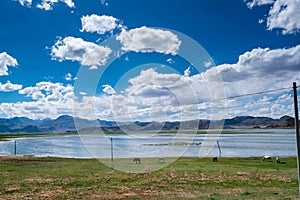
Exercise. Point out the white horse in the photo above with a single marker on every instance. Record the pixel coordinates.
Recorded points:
(269, 158)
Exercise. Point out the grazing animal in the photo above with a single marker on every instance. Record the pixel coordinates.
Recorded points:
(137, 160)
(215, 159)
(161, 160)
(269, 158)
(278, 161)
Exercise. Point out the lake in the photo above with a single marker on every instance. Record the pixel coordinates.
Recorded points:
(244, 143)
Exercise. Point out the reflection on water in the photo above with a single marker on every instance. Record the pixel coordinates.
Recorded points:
(279, 143)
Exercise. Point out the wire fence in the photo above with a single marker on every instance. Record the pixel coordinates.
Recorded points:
(51, 146)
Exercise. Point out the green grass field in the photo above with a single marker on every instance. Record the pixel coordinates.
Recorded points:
(186, 178)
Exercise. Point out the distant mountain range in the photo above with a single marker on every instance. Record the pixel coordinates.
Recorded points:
(66, 123)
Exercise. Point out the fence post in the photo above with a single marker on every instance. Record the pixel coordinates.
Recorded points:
(112, 149)
(220, 152)
(15, 149)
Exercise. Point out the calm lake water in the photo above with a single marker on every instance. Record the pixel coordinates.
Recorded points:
(278, 143)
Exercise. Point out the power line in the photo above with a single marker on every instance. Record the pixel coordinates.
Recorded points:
(257, 93)
(160, 108)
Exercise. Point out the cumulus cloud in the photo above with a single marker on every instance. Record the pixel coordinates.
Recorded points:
(161, 89)
(154, 96)
(9, 87)
(108, 89)
(283, 14)
(100, 24)
(5, 62)
(259, 69)
(48, 100)
(146, 39)
(76, 49)
(48, 91)
(48, 4)
(262, 62)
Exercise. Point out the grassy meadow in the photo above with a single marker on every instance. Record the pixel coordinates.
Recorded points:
(186, 178)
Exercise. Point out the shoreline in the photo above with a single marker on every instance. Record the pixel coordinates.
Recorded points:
(33, 157)
(5, 137)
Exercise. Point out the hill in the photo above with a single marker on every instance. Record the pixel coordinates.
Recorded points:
(66, 123)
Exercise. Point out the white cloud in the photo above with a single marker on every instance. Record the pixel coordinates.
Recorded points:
(48, 100)
(48, 91)
(266, 100)
(207, 64)
(158, 98)
(256, 71)
(284, 97)
(146, 39)
(187, 71)
(170, 61)
(151, 87)
(48, 4)
(279, 64)
(283, 14)
(76, 49)
(154, 96)
(8, 87)
(26, 3)
(93, 67)
(144, 99)
(253, 3)
(6, 61)
(108, 89)
(68, 77)
(99, 24)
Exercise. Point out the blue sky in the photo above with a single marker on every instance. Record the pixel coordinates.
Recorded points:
(55, 58)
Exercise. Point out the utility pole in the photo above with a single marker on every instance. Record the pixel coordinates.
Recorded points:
(297, 131)
(220, 152)
(15, 149)
(112, 149)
